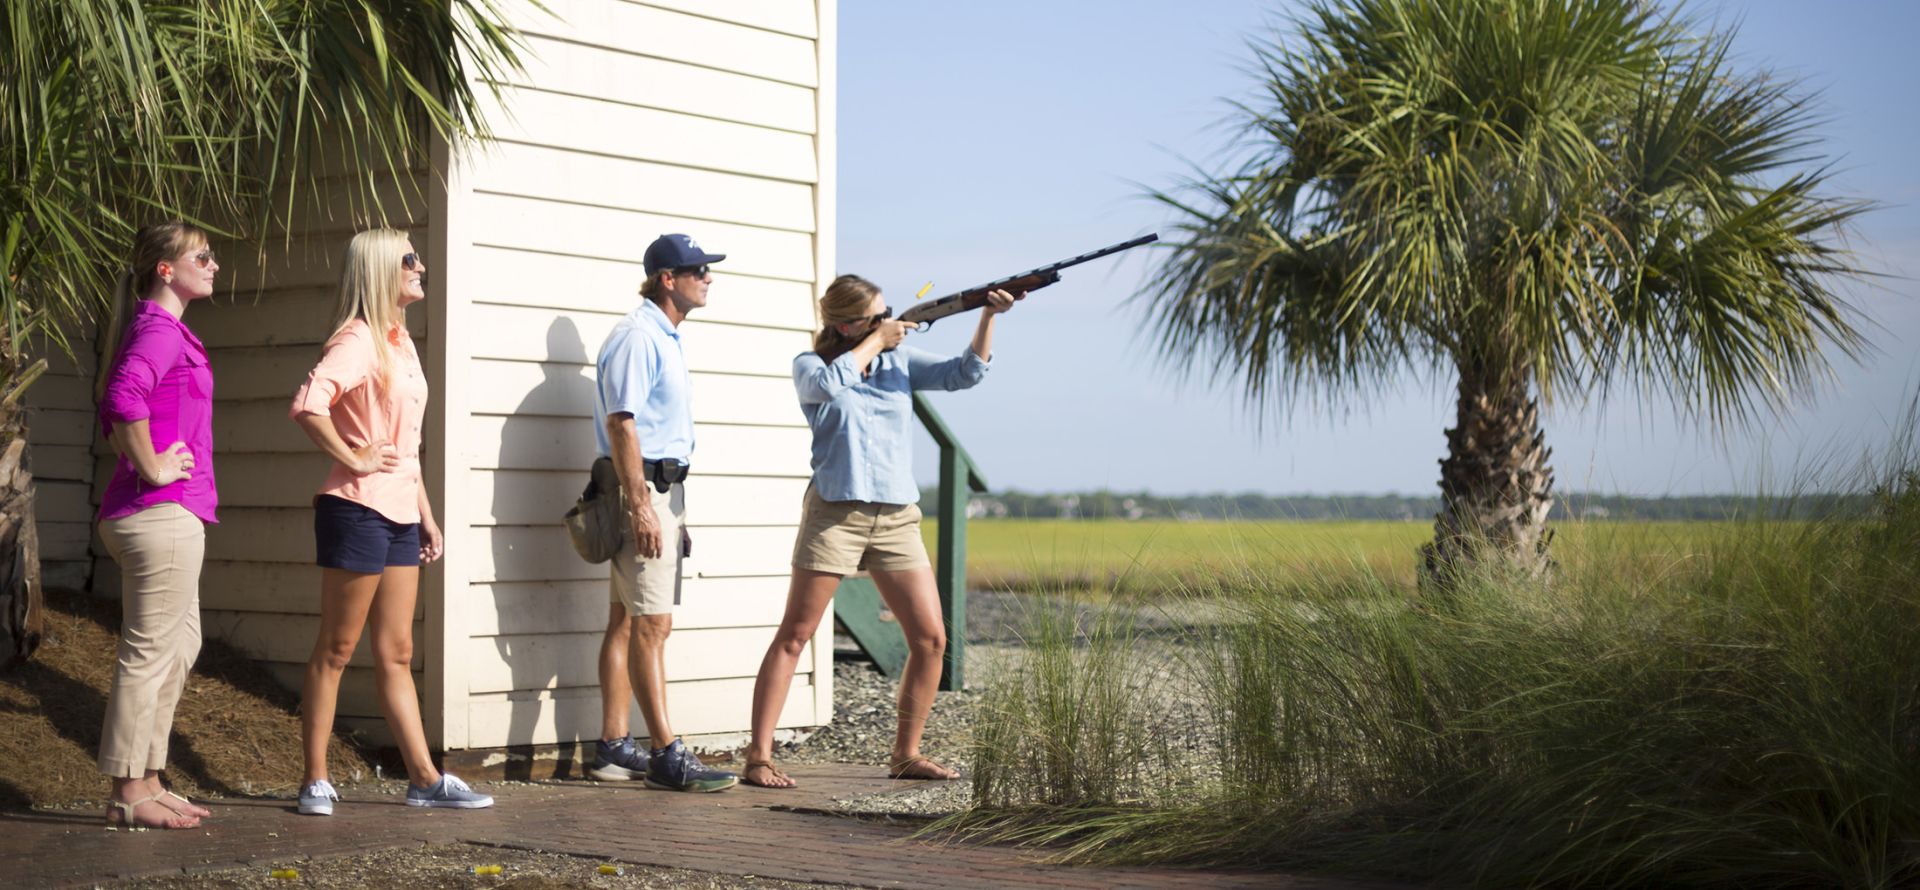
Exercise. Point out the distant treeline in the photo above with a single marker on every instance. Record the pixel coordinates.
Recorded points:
(1105, 504)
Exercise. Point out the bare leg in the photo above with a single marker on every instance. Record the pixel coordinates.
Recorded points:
(915, 601)
(807, 597)
(391, 622)
(615, 688)
(344, 599)
(647, 667)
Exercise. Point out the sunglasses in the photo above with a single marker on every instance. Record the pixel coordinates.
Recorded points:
(203, 259)
(691, 271)
(879, 317)
(410, 262)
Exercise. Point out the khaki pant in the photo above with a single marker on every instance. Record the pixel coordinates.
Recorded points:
(652, 586)
(159, 550)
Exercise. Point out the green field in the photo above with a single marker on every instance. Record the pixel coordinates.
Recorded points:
(1057, 554)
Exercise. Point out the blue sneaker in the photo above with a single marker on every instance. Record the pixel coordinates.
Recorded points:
(674, 768)
(448, 792)
(318, 798)
(618, 761)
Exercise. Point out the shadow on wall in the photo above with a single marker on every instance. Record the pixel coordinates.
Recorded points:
(541, 614)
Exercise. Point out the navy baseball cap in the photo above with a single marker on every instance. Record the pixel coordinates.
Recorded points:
(675, 251)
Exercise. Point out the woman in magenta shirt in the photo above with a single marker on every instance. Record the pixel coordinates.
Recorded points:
(156, 407)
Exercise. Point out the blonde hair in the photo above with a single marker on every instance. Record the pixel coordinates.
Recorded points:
(152, 246)
(370, 290)
(846, 300)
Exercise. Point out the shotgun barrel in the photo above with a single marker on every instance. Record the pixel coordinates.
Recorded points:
(925, 314)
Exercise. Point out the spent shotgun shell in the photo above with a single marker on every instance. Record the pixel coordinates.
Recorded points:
(612, 870)
(286, 874)
(486, 869)
(923, 290)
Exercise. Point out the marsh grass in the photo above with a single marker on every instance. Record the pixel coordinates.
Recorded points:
(1146, 558)
(1740, 711)
(1072, 713)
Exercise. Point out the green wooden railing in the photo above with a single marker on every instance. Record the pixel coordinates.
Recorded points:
(857, 603)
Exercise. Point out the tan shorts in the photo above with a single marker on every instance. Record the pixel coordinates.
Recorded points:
(843, 537)
(652, 586)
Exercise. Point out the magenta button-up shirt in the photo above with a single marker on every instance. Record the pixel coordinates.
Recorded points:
(162, 377)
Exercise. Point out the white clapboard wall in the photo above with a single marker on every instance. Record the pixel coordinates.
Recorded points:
(710, 117)
(61, 433)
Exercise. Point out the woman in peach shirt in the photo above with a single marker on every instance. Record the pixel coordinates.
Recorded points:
(373, 527)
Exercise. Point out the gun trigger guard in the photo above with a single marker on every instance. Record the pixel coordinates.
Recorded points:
(923, 326)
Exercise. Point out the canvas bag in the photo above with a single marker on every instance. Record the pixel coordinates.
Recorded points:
(598, 524)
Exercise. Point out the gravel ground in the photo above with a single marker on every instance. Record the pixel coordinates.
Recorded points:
(864, 717)
(417, 868)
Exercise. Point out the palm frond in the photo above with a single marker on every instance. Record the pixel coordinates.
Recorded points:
(1574, 193)
(114, 113)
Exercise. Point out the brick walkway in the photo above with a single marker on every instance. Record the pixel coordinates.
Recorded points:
(745, 831)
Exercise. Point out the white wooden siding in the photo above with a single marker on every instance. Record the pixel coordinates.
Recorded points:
(561, 281)
(61, 432)
(633, 120)
(742, 37)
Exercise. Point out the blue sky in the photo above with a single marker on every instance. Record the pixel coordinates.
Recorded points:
(984, 138)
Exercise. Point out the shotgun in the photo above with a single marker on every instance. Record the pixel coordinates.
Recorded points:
(925, 314)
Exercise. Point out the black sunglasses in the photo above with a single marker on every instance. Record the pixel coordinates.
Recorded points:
(879, 317)
(409, 261)
(694, 271)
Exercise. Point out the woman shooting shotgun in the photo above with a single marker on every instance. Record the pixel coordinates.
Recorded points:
(859, 514)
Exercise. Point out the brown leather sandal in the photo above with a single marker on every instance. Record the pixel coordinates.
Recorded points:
(898, 769)
(776, 771)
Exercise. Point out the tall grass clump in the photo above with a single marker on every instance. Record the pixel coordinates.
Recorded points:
(1075, 721)
(1743, 712)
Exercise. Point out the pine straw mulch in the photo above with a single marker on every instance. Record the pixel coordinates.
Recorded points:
(236, 732)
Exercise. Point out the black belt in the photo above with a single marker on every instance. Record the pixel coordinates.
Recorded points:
(663, 473)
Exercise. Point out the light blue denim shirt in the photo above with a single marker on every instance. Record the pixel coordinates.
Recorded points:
(862, 434)
(642, 371)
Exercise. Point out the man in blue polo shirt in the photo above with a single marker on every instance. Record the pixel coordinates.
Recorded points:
(645, 425)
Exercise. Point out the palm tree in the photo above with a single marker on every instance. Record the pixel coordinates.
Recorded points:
(1536, 197)
(114, 113)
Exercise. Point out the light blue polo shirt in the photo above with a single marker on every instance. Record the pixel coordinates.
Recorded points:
(642, 371)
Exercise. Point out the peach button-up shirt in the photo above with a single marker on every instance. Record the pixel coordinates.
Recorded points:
(346, 386)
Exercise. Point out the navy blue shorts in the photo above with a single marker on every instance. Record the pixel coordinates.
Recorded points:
(357, 538)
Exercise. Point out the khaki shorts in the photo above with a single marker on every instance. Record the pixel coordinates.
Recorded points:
(843, 537)
(652, 586)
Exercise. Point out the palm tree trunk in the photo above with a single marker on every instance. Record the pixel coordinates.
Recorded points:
(21, 618)
(1495, 484)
